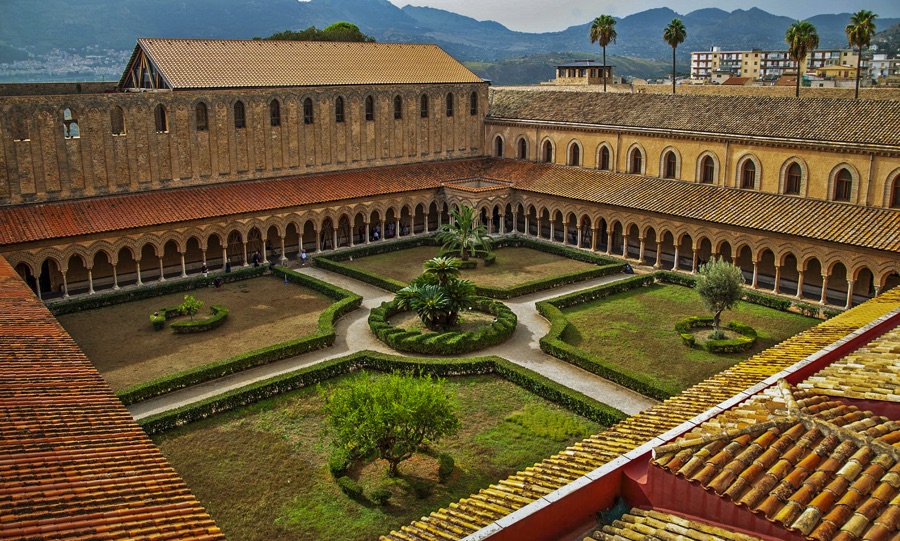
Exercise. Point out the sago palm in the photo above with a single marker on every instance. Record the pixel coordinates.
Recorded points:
(859, 34)
(674, 35)
(443, 268)
(801, 38)
(603, 32)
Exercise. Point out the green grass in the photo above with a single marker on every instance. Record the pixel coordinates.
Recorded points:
(262, 473)
(636, 330)
(514, 266)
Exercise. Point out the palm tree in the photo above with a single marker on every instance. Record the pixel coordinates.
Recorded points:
(801, 38)
(674, 35)
(443, 268)
(859, 33)
(603, 31)
(464, 234)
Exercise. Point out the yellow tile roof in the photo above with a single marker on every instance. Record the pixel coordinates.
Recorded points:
(213, 63)
(650, 524)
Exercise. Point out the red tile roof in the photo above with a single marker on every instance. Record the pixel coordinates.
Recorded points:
(73, 463)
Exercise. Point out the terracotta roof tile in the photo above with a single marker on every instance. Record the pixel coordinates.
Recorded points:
(650, 524)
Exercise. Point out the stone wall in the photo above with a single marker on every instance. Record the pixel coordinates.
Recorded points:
(39, 163)
(49, 89)
(772, 91)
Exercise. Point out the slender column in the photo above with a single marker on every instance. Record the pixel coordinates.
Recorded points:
(625, 245)
(204, 251)
(799, 284)
(138, 266)
(538, 231)
(427, 216)
(40, 296)
(65, 286)
(850, 284)
(367, 233)
(755, 274)
(877, 291)
(641, 251)
(502, 224)
(318, 241)
(552, 230)
(397, 228)
(675, 265)
(224, 257)
(824, 298)
(283, 257)
(162, 277)
(246, 261)
(527, 231)
(115, 281)
(352, 236)
(381, 236)
(90, 282)
(300, 245)
(265, 254)
(609, 239)
(593, 239)
(777, 289)
(658, 263)
(183, 267)
(578, 238)
(334, 239)
(439, 219)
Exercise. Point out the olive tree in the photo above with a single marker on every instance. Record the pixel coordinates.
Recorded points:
(190, 306)
(720, 287)
(390, 416)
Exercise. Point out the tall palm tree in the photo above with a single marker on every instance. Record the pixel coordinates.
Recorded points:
(674, 35)
(464, 234)
(859, 33)
(603, 31)
(801, 38)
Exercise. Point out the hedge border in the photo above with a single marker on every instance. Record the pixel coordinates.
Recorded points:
(216, 320)
(607, 266)
(110, 298)
(444, 343)
(382, 362)
(736, 345)
(345, 302)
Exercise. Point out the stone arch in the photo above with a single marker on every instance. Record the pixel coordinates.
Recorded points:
(835, 183)
(574, 153)
(747, 163)
(704, 174)
(522, 148)
(670, 163)
(636, 158)
(605, 161)
(786, 177)
(548, 151)
(892, 190)
(499, 143)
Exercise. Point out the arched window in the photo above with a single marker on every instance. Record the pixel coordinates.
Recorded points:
(843, 185)
(20, 127)
(162, 123)
(548, 152)
(117, 120)
(424, 109)
(70, 124)
(748, 175)
(523, 149)
(473, 103)
(240, 121)
(202, 117)
(574, 155)
(604, 158)
(498, 146)
(370, 108)
(637, 162)
(670, 165)
(792, 182)
(274, 113)
(398, 107)
(895, 196)
(708, 170)
(339, 109)
(449, 104)
(307, 111)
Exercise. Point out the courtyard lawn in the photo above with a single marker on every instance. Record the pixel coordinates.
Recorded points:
(514, 266)
(636, 330)
(126, 350)
(262, 472)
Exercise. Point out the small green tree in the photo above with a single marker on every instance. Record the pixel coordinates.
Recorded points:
(464, 234)
(390, 415)
(720, 287)
(190, 306)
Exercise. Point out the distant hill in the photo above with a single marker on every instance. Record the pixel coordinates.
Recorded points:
(30, 31)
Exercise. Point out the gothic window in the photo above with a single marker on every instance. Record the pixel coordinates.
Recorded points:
(20, 127)
(792, 184)
(398, 107)
(637, 162)
(548, 152)
(671, 165)
(202, 114)
(274, 113)
(424, 110)
(370, 108)
(843, 185)
(574, 155)
(117, 120)
(523, 149)
(748, 175)
(708, 170)
(604, 158)
(473, 103)
(895, 196)
(339, 109)
(307, 111)
(70, 125)
(449, 104)
(159, 116)
(240, 120)
(498, 146)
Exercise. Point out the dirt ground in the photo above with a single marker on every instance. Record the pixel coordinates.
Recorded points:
(126, 350)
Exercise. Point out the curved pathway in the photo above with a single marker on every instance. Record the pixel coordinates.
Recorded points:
(353, 334)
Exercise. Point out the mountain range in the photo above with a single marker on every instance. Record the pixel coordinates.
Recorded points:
(31, 30)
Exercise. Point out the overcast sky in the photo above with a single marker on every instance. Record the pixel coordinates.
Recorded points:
(550, 16)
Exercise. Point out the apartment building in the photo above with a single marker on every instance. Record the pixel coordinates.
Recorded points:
(759, 64)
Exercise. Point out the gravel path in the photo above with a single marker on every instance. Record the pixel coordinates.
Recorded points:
(353, 335)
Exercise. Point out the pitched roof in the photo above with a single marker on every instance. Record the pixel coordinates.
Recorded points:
(870, 122)
(215, 63)
(651, 524)
(843, 223)
(73, 463)
(737, 81)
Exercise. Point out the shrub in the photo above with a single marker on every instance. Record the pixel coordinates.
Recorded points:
(380, 495)
(807, 309)
(216, 320)
(350, 487)
(830, 313)
(421, 488)
(446, 464)
(717, 343)
(157, 321)
(339, 462)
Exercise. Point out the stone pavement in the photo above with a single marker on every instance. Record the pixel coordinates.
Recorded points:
(353, 334)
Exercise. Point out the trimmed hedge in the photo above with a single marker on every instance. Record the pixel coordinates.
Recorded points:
(444, 343)
(219, 314)
(350, 487)
(734, 345)
(323, 337)
(110, 298)
(606, 266)
(312, 375)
